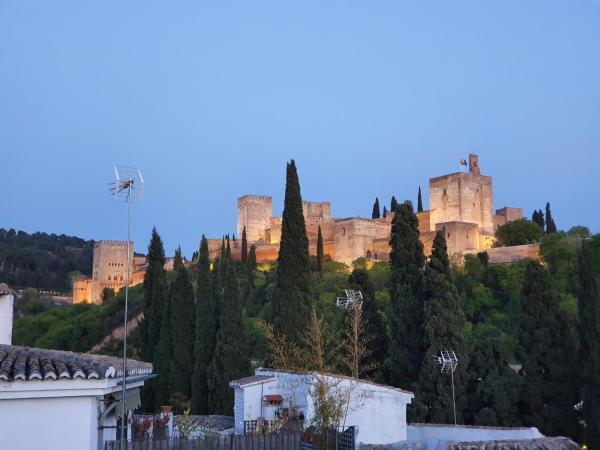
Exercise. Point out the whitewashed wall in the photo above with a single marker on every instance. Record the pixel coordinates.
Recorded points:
(434, 435)
(6, 318)
(49, 423)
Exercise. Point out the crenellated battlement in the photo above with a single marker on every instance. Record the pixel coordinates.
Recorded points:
(112, 242)
(255, 197)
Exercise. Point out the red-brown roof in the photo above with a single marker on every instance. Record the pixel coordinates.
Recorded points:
(273, 398)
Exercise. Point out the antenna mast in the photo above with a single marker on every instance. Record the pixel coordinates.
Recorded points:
(448, 361)
(128, 187)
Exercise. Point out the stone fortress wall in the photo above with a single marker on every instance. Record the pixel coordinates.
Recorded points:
(461, 204)
(109, 270)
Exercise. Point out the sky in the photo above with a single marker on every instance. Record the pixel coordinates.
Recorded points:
(210, 99)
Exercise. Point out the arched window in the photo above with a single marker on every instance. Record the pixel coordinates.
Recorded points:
(368, 253)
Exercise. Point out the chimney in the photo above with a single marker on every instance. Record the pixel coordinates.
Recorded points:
(474, 164)
(7, 297)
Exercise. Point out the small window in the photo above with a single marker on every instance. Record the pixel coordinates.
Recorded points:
(368, 253)
(448, 235)
(444, 192)
(273, 400)
(109, 278)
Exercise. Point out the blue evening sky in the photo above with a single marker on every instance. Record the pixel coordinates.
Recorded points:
(371, 98)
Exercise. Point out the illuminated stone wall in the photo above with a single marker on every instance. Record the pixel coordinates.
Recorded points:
(254, 212)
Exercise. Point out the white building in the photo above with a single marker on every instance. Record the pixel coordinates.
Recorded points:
(53, 399)
(378, 411)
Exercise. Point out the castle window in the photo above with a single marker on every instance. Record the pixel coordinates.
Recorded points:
(444, 192)
(109, 278)
(448, 235)
(368, 253)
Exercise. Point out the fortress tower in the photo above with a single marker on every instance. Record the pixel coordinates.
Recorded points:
(462, 197)
(254, 212)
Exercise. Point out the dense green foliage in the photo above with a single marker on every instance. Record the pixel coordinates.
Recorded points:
(589, 350)
(43, 261)
(292, 294)
(518, 232)
(443, 326)
(405, 350)
(231, 359)
(75, 327)
(546, 349)
(182, 327)
(205, 332)
(156, 318)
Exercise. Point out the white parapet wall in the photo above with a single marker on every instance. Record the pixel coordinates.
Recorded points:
(6, 317)
(437, 436)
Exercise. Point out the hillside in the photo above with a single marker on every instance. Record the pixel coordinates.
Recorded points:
(42, 261)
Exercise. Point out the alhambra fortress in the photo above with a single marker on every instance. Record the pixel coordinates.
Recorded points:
(461, 204)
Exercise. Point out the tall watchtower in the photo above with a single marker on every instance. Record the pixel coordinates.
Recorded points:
(254, 212)
(462, 197)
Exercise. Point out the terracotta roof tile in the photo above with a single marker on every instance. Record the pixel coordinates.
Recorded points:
(5, 290)
(25, 364)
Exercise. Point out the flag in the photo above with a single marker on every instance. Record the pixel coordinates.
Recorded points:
(463, 162)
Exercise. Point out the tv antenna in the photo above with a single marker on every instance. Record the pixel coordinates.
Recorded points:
(352, 297)
(448, 361)
(128, 187)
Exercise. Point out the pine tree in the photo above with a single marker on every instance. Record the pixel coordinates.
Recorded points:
(291, 298)
(182, 329)
(589, 346)
(155, 293)
(393, 204)
(405, 347)
(550, 225)
(205, 332)
(385, 212)
(443, 325)
(320, 254)
(546, 352)
(376, 214)
(419, 201)
(244, 248)
(230, 360)
(374, 328)
(493, 387)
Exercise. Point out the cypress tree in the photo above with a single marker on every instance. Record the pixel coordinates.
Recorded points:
(405, 347)
(443, 325)
(163, 359)
(589, 347)
(376, 214)
(546, 351)
(393, 204)
(419, 201)
(230, 360)
(292, 293)
(244, 248)
(541, 219)
(373, 326)
(155, 294)
(182, 329)
(385, 212)
(205, 332)
(320, 254)
(252, 265)
(493, 387)
(550, 225)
